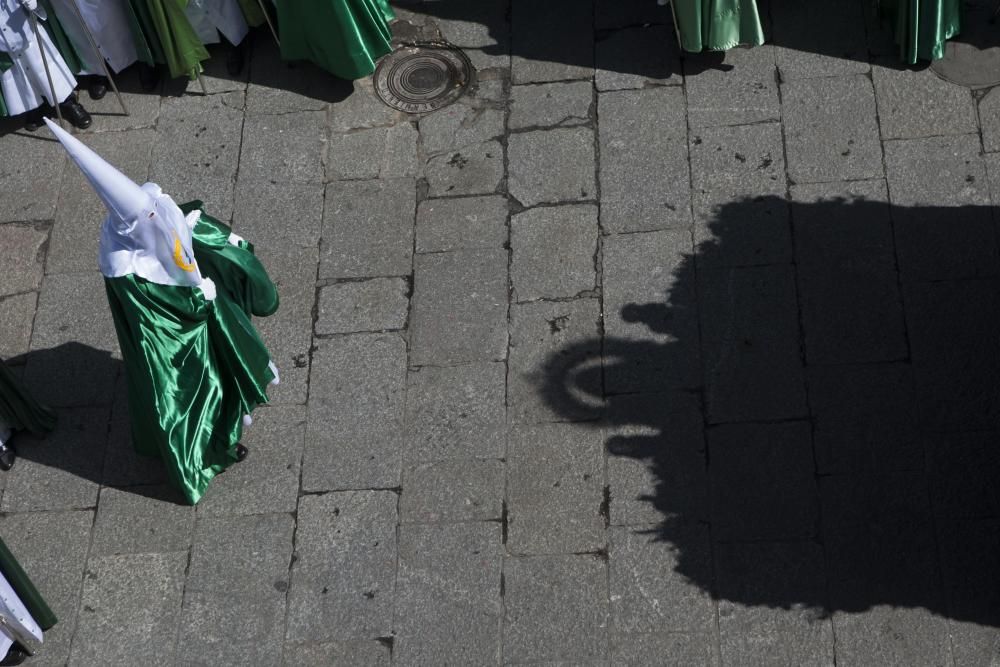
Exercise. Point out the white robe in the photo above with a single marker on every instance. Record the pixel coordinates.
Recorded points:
(210, 17)
(16, 624)
(108, 24)
(24, 85)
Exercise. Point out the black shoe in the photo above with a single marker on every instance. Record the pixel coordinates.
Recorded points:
(74, 112)
(15, 656)
(97, 88)
(7, 456)
(149, 77)
(33, 120)
(241, 452)
(236, 59)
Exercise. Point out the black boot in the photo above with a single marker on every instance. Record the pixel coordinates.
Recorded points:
(15, 656)
(7, 455)
(236, 58)
(97, 87)
(74, 112)
(149, 77)
(33, 119)
(241, 452)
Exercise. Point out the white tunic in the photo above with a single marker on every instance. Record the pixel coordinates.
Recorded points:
(210, 17)
(108, 24)
(24, 85)
(16, 624)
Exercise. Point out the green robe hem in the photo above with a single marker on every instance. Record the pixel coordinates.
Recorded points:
(717, 25)
(344, 37)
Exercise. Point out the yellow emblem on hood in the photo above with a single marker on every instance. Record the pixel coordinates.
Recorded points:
(179, 256)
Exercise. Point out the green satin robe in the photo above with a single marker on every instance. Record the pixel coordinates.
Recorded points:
(25, 589)
(181, 48)
(344, 37)
(144, 31)
(195, 367)
(18, 409)
(923, 26)
(717, 25)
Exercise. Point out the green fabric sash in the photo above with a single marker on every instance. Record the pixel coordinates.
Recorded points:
(252, 12)
(923, 26)
(19, 409)
(61, 41)
(195, 367)
(344, 37)
(140, 23)
(182, 50)
(5, 64)
(717, 25)
(25, 590)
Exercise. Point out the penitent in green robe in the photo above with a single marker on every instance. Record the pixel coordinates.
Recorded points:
(717, 25)
(344, 37)
(195, 367)
(923, 26)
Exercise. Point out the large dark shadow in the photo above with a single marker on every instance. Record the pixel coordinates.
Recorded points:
(637, 36)
(92, 441)
(818, 429)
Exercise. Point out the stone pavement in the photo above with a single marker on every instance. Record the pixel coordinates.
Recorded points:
(623, 359)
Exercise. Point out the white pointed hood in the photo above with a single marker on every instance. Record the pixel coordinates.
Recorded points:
(120, 194)
(145, 233)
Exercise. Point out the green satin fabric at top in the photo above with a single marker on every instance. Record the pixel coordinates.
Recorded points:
(182, 50)
(344, 37)
(25, 589)
(923, 26)
(18, 409)
(195, 367)
(717, 25)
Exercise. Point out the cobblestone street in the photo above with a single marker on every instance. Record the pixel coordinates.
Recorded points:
(625, 358)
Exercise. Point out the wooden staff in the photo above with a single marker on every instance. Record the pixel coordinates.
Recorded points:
(267, 17)
(104, 65)
(45, 63)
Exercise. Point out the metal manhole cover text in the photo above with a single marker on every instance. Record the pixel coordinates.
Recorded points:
(423, 77)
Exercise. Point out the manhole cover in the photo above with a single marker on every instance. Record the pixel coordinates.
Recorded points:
(423, 77)
(972, 58)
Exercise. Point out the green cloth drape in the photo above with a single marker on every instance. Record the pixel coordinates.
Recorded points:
(5, 64)
(144, 31)
(182, 50)
(195, 367)
(923, 26)
(717, 25)
(61, 41)
(344, 37)
(17, 407)
(252, 12)
(19, 581)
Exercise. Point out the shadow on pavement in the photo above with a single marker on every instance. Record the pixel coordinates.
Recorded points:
(637, 36)
(92, 440)
(263, 68)
(838, 448)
